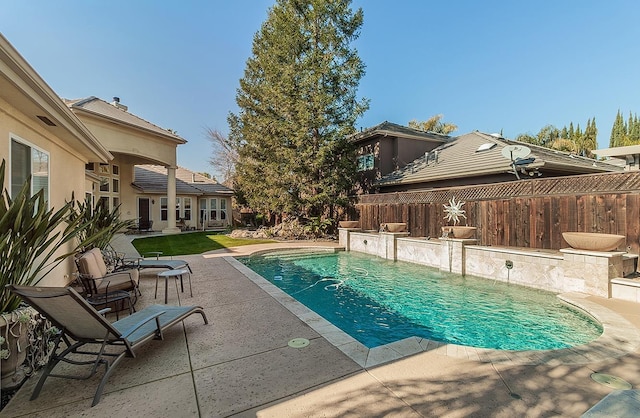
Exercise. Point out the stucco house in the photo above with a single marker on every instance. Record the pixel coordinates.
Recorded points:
(201, 203)
(91, 148)
(132, 141)
(41, 137)
(480, 158)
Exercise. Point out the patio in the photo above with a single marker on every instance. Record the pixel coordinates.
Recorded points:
(240, 365)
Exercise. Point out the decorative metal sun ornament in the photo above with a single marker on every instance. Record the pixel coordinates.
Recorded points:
(454, 211)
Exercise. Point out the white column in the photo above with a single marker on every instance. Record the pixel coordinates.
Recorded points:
(171, 202)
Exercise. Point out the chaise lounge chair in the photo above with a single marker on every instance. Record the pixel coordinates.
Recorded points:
(77, 320)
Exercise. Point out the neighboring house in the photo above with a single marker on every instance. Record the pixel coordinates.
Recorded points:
(479, 158)
(201, 203)
(627, 157)
(132, 141)
(387, 147)
(42, 138)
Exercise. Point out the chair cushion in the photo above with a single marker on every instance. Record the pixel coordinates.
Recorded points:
(119, 281)
(97, 254)
(88, 267)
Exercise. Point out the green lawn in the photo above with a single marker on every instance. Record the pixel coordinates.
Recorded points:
(191, 243)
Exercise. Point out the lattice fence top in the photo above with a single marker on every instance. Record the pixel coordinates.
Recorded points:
(570, 185)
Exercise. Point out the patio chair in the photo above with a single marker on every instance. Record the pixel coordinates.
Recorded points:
(97, 280)
(79, 322)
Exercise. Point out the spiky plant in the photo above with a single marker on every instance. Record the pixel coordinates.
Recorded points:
(30, 235)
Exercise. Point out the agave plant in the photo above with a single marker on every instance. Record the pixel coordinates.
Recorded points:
(30, 236)
(102, 224)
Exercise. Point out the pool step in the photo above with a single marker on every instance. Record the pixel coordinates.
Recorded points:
(298, 255)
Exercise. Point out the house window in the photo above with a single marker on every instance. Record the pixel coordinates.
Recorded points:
(104, 184)
(116, 185)
(115, 170)
(365, 162)
(104, 169)
(88, 166)
(164, 204)
(213, 209)
(223, 209)
(116, 202)
(186, 214)
(183, 208)
(104, 202)
(28, 161)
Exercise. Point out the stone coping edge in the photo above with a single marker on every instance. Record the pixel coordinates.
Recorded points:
(619, 336)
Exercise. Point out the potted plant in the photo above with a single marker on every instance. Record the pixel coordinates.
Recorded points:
(30, 236)
(454, 212)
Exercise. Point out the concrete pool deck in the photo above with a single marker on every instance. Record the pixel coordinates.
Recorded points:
(241, 365)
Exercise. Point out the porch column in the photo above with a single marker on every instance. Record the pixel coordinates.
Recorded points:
(171, 202)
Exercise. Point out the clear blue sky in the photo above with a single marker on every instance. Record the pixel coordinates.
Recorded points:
(488, 65)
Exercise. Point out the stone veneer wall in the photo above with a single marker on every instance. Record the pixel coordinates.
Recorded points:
(568, 270)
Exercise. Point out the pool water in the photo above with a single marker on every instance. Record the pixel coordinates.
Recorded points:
(378, 301)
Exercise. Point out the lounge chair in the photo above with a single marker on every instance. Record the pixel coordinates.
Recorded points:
(79, 321)
(92, 267)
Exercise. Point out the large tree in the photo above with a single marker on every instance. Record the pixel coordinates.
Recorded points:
(433, 124)
(297, 105)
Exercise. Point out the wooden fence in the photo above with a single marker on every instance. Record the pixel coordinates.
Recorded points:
(526, 213)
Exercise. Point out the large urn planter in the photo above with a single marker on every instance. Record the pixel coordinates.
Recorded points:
(592, 241)
(349, 224)
(13, 350)
(394, 227)
(460, 232)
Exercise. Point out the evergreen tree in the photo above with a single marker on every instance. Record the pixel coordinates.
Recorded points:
(572, 132)
(634, 131)
(618, 131)
(298, 104)
(564, 133)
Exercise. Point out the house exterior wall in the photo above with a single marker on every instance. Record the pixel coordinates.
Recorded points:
(66, 169)
(135, 142)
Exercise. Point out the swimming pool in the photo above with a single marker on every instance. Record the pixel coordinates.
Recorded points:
(377, 302)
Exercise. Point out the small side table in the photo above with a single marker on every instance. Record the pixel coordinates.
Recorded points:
(176, 274)
(109, 298)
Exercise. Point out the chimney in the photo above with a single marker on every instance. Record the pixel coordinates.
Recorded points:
(116, 103)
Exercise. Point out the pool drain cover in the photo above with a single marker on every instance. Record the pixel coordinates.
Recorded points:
(299, 343)
(610, 381)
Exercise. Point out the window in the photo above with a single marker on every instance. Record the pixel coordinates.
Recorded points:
(27, 161)
(104, 168)
(223, 209)
(104, 184)
(88, 166)
(116, 186)
(104, 202)
(164, 203)
(186, 214)
(213, 209)
(365, 162)
(116, 202)
(178, 201)
(116, 170)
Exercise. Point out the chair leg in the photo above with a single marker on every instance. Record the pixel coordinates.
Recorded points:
(190, 288)
(110, 368)
(177, 290)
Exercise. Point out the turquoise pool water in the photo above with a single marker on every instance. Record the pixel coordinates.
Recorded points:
(377, 302)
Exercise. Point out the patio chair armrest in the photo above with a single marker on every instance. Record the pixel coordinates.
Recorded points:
(104, 311)
(143, 322)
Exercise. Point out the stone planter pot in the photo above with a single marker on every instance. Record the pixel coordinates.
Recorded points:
(592, 241)
(394, 227)
(15, 334)
(460, 232)
(349, 224)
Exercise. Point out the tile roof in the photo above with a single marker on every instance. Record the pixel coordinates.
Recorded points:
(460, 158)
(100, 107)
(389, 128)
(153, 179)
